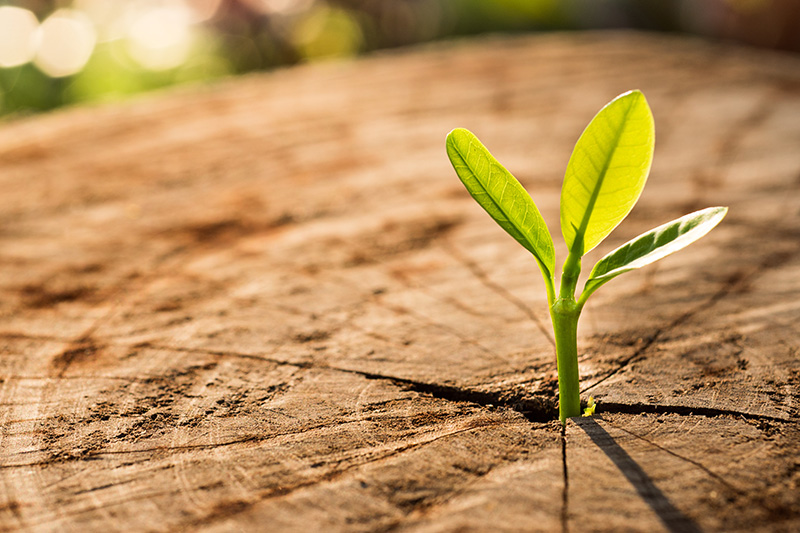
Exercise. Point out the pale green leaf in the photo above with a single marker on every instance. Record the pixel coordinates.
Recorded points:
(607, 171)
(653, 245)
(502, 196)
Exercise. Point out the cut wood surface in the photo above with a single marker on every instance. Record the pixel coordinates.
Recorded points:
(270, 305)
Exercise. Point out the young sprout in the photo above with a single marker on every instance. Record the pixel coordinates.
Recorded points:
(604, 178)
(591, 405)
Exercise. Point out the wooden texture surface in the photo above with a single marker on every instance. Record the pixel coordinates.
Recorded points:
(270, 305)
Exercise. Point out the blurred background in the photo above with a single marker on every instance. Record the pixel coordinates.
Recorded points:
(61, 52)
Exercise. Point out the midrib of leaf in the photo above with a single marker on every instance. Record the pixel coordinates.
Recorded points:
(587, 215)
(498, 204)
(661, 241)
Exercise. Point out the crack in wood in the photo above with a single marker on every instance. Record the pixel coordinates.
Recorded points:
(565, 488)
(683, 410)
(536, 409)
(105, 486)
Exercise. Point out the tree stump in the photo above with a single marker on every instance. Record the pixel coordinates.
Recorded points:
(270, 305)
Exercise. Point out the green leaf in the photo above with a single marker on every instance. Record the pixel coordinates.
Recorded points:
(502, 196)
(607, 171)
(653, 245)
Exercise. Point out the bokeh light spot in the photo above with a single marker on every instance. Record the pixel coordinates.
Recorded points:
(161, 38)
(66, 40)
(280, 7)
(17, 30)
(327, 32)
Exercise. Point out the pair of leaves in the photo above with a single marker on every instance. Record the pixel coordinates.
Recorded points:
(604, 179)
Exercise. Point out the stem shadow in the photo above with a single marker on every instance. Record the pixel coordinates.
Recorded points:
(672, 518)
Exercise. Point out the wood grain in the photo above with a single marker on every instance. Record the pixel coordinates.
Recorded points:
(269, 304)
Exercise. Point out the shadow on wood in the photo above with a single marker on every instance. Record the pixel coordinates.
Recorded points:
(673, 519)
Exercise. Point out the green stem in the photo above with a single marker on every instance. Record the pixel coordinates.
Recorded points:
(565, 315)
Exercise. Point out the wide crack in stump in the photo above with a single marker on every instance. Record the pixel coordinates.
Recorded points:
(272, 302)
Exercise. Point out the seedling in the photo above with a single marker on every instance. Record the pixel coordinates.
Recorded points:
(604, 178)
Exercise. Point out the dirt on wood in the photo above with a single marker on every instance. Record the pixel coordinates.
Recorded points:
(269, 304)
